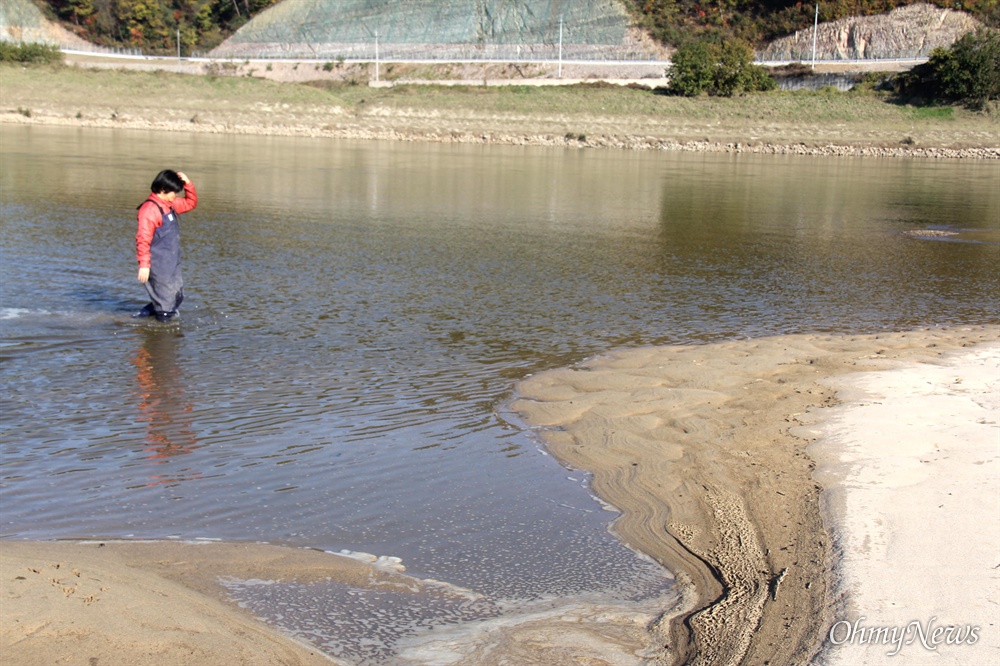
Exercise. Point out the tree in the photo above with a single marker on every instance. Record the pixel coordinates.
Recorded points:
(77, 11)
(145, 21)
(976, 78)
(968, 72)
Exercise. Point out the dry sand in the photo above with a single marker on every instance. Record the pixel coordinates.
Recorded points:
(910, 466)
(706, 451)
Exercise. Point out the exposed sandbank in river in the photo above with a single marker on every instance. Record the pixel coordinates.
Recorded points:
(693, 444)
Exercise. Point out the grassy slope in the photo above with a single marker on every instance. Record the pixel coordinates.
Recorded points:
(787, 118)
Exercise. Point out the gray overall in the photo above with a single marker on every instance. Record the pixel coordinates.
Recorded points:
(165, 285)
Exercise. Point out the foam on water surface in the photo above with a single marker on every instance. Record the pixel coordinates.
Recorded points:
(438, 623)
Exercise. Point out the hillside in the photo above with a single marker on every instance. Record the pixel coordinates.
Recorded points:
(763, 21)
(507, 28)
(433, 29)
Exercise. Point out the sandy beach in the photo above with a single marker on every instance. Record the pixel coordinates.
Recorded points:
(757, 470)
(159, 602)
(909, 467)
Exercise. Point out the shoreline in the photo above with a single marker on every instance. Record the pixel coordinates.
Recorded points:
(152, 602)
(705, 450)
(508, 138)
(699, 448)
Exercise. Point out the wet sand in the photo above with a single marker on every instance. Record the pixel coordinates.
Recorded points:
(118, 602)
(709, 453)
(695, 445)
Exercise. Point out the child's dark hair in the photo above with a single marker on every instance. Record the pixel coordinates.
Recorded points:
(167, 181)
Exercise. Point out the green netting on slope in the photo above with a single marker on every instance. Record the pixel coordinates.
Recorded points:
(329, 25)
(21, 22)
(19, 14)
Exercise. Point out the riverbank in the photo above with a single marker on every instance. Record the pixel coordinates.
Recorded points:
(695, 445)
(597, 115)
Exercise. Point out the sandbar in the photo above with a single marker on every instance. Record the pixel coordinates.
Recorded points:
(703, 448)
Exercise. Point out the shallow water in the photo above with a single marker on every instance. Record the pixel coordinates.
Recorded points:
(357, 315)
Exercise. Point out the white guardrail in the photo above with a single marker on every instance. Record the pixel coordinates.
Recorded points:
(136, 54)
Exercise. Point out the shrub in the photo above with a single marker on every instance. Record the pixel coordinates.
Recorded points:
(725, 70)
(761, 80)
(29, 53)
(693, 68)
(735, 72)
(975, 77)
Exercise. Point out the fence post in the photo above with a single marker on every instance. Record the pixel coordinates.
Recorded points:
(815, 31)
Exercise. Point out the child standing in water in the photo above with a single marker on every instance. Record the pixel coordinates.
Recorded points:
(158, 243)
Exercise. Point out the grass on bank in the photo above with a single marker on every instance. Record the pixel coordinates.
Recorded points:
(47, 86)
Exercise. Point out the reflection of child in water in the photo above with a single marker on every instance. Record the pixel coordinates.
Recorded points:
(163, 406)
(158, 243)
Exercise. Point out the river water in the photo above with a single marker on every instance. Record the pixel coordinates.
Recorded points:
(357, 316)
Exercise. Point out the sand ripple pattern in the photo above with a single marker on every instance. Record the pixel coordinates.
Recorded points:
(694, 444)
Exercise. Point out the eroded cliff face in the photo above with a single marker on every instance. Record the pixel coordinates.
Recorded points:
(907, 32)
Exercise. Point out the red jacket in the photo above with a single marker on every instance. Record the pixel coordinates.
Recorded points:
(150, 219)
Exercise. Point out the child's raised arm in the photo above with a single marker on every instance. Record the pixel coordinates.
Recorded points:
(190, 198)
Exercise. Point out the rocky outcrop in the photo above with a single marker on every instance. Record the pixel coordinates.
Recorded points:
(907, 32)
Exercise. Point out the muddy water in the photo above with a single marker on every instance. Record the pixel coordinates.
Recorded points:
(357, 315)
